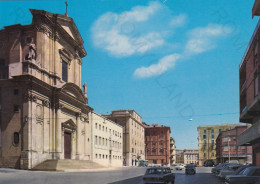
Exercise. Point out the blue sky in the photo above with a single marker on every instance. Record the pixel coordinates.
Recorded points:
(169, 60)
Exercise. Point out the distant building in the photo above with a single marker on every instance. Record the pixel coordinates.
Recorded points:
(227, 147)
(108, 141)
(249, 91)
(207, 140)
(179, 156)
(133, 135)
(157, 140)
(191, 156)
(172, 151)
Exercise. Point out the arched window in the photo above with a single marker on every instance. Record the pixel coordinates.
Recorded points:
(16, 139)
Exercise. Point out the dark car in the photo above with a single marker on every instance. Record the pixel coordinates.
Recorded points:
(158, 175)
(209, 163)
(250, 175)
(190, 169)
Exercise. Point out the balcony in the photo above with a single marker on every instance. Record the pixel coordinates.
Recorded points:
(249, 136)
(256, 8)
(250, 112)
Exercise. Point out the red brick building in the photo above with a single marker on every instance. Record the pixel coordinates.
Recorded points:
(227, 147)
(157, 144)
(249, 91)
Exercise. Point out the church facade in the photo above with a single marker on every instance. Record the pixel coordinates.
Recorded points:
(44, 111)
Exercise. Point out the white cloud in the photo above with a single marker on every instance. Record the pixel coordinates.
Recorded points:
(202, 39)
(178, 20)
(162, 66)
(134, 32)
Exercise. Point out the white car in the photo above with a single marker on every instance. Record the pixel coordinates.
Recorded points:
(177, 166)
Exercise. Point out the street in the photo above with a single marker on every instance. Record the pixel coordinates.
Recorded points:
(126, 175)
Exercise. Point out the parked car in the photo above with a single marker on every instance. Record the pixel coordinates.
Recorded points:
(250, 175)
(232, 162)
(178, 166)
(190, 169)
(209, 163)
(158, 175)
(229, 170)
(143, 163)
(217, 168)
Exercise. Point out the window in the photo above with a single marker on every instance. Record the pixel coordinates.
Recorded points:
(96, 125)
(257, 172)
(96, 141)
(99, 127)
(204, 136)
(205, 131)
(219, 130)
(205, 154)
(16, 139)
(16, 91)
(212, 130)
(212, 136)
(212, 154)
(64, 71)
(16, 108)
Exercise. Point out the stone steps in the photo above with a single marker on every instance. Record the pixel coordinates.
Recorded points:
(65, 165)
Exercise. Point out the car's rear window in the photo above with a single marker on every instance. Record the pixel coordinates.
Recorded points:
(154, 171)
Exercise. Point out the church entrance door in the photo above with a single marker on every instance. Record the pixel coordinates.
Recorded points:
(67, 145)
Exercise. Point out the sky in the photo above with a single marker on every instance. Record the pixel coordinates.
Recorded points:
(174, 62)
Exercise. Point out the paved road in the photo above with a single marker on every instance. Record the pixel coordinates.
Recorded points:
(123, 176)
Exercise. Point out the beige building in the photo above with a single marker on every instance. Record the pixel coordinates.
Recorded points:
(108, 141)
(191, 156)
(207, 136)
(44, 111)
(179, 156)
(133, 135)
(172, 151)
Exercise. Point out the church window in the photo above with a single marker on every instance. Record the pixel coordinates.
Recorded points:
(16, 139)
(64, 71)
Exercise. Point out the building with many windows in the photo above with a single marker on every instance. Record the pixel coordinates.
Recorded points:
(179, 156)
(157, 142)
(207, 136)
(191, 156)
(107, 144)
(172, 151)
(227, 147)
(133, 135)
(44, 111)
(249, 91)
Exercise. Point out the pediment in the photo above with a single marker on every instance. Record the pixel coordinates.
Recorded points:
(69, 125)
(74, 91)
(70, 27)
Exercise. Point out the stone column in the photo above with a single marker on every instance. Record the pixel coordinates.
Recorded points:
(78, 135)
(58, 129)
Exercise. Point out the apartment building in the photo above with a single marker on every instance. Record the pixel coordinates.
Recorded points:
(157, 141)
(249, 91)
(207, 136)
(191, 156)
(133, 135)
(227, 147)
(172, 151)
(107, 147)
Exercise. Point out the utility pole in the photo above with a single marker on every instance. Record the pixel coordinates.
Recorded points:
(228, 149)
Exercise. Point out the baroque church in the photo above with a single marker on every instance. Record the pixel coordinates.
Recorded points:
(44, 112)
